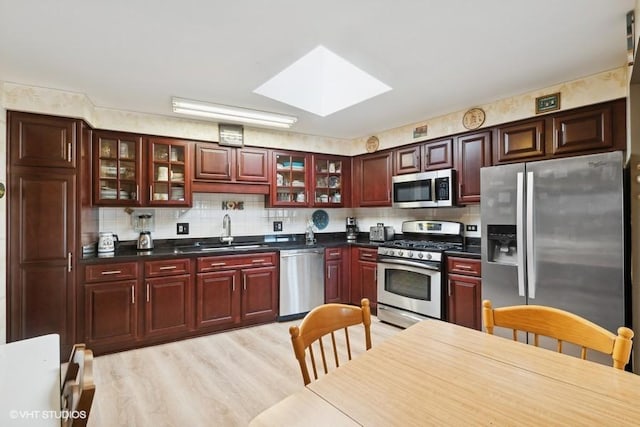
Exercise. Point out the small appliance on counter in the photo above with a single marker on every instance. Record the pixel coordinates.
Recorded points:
(352, 228)
(145, 242)
(143, 222)
(381, 233)
(107, 242)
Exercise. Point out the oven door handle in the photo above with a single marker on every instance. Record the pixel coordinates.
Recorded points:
(429, 266)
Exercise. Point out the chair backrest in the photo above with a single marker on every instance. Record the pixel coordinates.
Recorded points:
(78, 388)
(326, 320)
(562, 326)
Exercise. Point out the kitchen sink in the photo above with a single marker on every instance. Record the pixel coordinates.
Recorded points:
(216, 248)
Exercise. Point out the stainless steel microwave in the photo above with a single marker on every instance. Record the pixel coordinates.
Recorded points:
(433, 189)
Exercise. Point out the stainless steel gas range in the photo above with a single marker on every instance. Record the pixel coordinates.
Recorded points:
(410, 283)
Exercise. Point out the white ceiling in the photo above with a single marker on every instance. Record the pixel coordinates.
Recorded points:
(438, 56)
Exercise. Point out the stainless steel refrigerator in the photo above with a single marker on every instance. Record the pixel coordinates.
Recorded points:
(553, 234)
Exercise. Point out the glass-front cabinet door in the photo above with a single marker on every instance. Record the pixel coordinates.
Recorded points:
(169, 172)
(289, 186)
(329, 174)
(117, 168)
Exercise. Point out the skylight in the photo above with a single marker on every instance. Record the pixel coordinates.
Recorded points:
(322, 83)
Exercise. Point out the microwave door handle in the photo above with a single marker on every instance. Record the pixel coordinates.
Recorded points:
(531, 260)
(520, 234)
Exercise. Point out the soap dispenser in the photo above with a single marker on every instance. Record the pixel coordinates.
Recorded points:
(309, 236)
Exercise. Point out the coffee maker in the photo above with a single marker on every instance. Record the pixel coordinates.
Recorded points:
(352, 228)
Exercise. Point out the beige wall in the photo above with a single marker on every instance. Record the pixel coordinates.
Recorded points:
(206, 215)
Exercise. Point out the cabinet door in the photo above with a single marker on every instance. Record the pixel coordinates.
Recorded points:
(330, 176)
(110, 313)
(42, 141)
(583, 131)
(407, 160)
(167, 305)
(290, 181)
(521, 141)
(474, 152)
(373, 180)
(259, 295)
(438, 155)
(41, 283)
(217, 299)
(369, 273)
(332, 281)
(117, 166)
(213, 162)
(169, 172)
(464, 303)
(252, 165)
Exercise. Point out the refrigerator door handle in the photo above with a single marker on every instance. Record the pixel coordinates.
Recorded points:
(531, 260)
(520, 231)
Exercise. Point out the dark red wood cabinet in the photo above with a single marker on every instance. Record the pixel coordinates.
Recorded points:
(464, 285)
(473, 153)
(372, 179)
(336, 275)
(364, 276)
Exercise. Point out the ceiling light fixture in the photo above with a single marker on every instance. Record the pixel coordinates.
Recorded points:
(234, 114)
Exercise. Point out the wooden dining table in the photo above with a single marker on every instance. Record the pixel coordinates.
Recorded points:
(438, 373)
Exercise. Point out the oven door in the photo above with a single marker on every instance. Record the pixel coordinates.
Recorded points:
(411, 286)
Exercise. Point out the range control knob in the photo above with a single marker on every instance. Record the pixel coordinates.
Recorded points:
(420, 255)
(429, 256)
(389, 252)
(400, 253)
(410, 254)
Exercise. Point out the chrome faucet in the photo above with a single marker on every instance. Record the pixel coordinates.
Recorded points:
(226, 230)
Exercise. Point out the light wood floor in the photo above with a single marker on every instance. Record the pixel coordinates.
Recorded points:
(223, 379)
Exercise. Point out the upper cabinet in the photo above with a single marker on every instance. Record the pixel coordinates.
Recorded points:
(54, 137)
(407, 159)
(117, 159)
(169, 172)
(330, 180)
(584, 130)
(474, 153)
(423, 157)
(372, 179)
(290, 179)
(218, 163)
(520, 141)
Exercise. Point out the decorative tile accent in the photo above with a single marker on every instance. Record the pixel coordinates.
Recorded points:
(232, 205)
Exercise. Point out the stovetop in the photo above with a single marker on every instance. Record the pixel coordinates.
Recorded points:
(430, 245)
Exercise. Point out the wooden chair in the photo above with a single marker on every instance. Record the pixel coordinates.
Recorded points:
(326, 320)
(562, 326)
(78, 388)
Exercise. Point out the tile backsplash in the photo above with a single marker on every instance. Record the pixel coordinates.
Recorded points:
(205, 218)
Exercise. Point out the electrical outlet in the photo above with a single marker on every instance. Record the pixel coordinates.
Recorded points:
(277, 225)
(472, 227)
(182, 228)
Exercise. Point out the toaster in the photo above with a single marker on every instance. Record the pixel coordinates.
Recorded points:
(381, 233)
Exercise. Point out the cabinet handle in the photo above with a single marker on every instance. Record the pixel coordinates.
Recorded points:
(334, 253)
(364, 255)
(244, 281)
(151, 192)
(449, 286)
(256, 261)
(462, 266)
(69, 152)
(375, 275)
(218, 264)
(137, 192)
(133, 294)
(147, 292)
(233, 283)
(328, 273)
(106, 273)
(69, 268)
(169, 267)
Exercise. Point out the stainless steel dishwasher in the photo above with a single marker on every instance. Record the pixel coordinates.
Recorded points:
(301, 281)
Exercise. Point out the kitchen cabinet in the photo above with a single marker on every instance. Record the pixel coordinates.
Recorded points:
(44, 204)
(168, 297)
(428, 156)
(117, 166)
(235, 290)
(218, 163)
(464, 287)
(364, 276)
(336, 280)
(290, 179)
(111, 306)
(407, 159)
(584, 130)
(372, 179)
(473, 153)
(330, 180)
(169, 172)
(520, 141)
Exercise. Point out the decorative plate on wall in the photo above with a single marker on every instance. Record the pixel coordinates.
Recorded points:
(320, 219)
(473, 119)
(372, 144)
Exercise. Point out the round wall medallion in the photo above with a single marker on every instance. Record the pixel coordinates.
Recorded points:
(473, 119)
(372, 144)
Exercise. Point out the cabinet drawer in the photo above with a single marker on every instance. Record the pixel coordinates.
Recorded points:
(214, 263)
(332, 253)
(107, 272)
(367, 254)
(468, 266)
(166, 267)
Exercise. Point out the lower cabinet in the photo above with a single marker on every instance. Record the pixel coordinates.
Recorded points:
(464, 287)
(364, 276)
(236, 290)
(336, 279)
